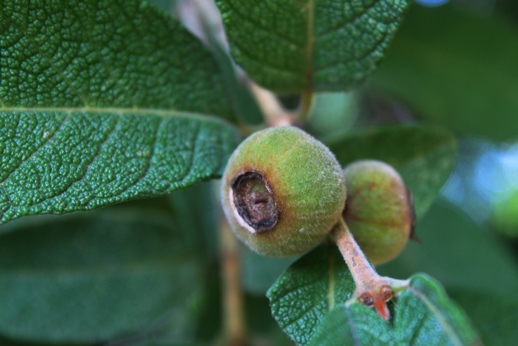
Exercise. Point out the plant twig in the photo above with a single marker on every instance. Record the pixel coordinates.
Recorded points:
(234, 319)
(272, 109)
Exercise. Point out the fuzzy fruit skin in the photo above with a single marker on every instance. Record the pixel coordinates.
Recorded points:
(379, 209)
(307, 184)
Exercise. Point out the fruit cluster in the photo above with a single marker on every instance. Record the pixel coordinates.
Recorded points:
(283, 192)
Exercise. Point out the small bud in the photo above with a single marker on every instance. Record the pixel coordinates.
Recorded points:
(282, 191)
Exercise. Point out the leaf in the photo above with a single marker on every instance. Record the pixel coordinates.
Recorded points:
(353, 325)
(290, 46)
(102, 102)
(92, 277)
(306, 298)
(308, 290)
(424, 316)
(458, 252)
(423, 155)
(494, 316)
(461, 73)
(258, 273)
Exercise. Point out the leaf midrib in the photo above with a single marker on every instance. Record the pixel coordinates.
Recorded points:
(435, 311)
(119, 111)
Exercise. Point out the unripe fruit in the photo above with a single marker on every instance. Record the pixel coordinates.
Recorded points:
(379, 210)
(282, 191)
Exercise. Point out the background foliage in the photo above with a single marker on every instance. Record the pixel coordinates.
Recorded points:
(105, 102)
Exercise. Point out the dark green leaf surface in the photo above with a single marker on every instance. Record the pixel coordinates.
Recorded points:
(458, 252)
(101, 102)
(353, 325)
(86, 279)
(424, 316)
(423, 155)
(258, 273)
(306, 298)
(495, 317)
(456, 69)
(289, 46)
(308, 290)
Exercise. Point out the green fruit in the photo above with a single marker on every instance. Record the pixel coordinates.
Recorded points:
(282, 191)
(379, 210)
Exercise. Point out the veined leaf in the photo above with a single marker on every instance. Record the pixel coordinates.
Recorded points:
(423, 155)
(308, 302)
(102, 102)
(424, 316)
(309, 290)
(295, 45)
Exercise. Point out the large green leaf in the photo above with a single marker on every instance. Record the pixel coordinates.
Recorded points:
(295, 45)
(424, 316)
(92, 277)
(423, 155)
(101, 102)
(306, 297)
(456, 69)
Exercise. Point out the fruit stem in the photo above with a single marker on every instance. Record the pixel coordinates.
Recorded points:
(306, 102)
(272, 109)
(234, 325)
(372, 289)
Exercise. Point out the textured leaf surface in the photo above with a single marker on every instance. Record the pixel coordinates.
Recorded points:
(306, 298)
(424, 156)
(87, 279)
(352, 325)
(461, 73)
(308, 290)
(424, 316)
(101, 102)
(295, 45)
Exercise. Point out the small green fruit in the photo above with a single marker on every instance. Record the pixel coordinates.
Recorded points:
(282, 191)
(379, 210)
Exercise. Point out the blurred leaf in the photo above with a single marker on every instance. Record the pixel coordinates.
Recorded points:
(424, 316)
(195, 211)
(290, 46)
(331, 113)
(258, 273)
(84, 279)
(505, 214)
(423, 155)
(308, 290)
(102, 102)
(459, 71)
(495, 317)
(458, 252)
